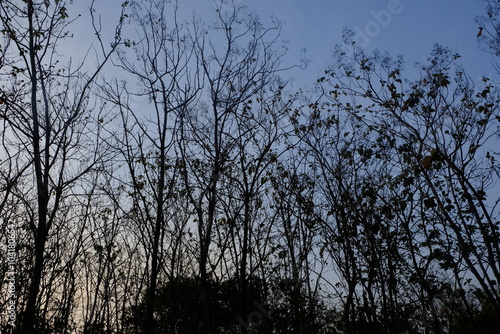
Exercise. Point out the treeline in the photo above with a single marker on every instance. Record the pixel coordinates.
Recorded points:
(173, 182)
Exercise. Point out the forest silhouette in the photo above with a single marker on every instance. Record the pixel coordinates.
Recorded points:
(173, 181)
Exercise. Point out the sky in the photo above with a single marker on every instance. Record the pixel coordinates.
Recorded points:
(411, 27)
(406, 27)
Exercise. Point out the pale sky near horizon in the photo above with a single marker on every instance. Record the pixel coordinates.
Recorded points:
(411, 29)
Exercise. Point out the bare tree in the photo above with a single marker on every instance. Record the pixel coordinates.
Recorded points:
(160, 62)
(227, 144)
(49, 120)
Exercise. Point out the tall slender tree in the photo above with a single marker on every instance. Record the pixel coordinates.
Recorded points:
(218, 139)
(50, 120)
(162, 63)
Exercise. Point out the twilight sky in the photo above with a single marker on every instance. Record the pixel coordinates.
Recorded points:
(407, 27)
(411, 29)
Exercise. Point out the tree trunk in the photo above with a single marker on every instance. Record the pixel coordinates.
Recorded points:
(29, 315)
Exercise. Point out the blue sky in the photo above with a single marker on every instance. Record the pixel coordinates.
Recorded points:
(413, 27)
(411, 30)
